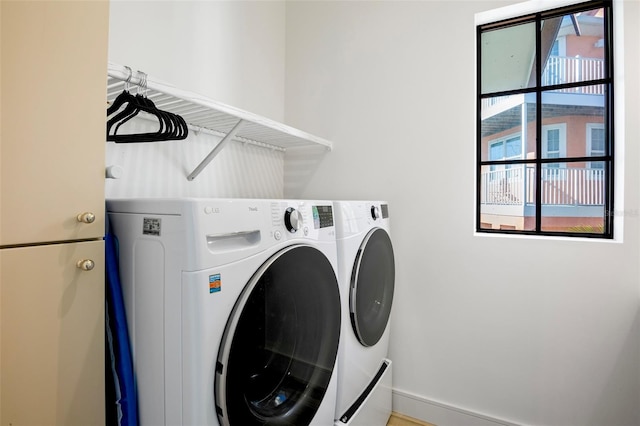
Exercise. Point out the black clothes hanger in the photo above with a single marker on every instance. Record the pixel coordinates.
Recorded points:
(120, 100)
(171, 126)
(138, 103)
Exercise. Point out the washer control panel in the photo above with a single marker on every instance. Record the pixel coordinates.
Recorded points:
(302, 219)
(293, 219)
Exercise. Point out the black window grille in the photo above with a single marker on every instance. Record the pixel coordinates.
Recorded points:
(545, 134)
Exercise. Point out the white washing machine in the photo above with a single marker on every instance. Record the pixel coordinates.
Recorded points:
(233, 309)
(366, 275)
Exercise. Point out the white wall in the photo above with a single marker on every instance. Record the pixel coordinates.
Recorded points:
(231, 51)
(527, 331)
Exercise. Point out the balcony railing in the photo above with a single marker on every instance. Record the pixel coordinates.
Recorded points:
(560, 186)
(563, 70)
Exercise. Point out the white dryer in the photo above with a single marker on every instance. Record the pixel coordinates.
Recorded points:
(233, 309)
(366, 275)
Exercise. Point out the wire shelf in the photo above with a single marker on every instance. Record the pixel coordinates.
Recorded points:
(203, 114)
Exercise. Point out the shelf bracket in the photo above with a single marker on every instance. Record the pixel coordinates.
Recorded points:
(229, 136)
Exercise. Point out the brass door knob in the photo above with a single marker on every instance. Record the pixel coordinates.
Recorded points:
(85, 264)
(86, 217)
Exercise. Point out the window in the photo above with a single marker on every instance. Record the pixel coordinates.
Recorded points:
(545, 149)
(554, 143)
(505, 149)
(595, 143)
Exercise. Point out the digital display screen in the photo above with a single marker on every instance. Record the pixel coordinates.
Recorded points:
(322, 216)
(385, 210)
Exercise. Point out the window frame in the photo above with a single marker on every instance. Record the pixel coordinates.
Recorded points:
(537, 90)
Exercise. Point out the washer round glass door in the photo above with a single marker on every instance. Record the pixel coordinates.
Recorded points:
(372, 285)
(280, 343)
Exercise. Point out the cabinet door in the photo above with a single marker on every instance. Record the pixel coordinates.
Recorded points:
(53, 106)
(52, 335)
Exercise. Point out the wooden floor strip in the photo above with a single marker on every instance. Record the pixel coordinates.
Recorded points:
(398, 419)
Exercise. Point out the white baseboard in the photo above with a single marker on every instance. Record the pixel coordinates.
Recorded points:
(441, 414)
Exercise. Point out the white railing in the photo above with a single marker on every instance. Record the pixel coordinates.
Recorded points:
(489, 102)
(572, 186)
(563, 70)
(504, 187)
(560, 186)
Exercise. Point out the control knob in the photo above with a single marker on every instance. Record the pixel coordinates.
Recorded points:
(375, 212)
(292, 219)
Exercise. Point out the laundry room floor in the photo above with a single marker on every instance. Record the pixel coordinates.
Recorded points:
(398, 419)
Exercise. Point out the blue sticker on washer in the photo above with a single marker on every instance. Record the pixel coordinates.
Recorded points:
(215, 283)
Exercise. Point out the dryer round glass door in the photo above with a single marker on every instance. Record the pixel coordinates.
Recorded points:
(372, 285)
(280, 343)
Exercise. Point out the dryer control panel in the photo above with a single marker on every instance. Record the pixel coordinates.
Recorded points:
(355, 217)
(380, 212)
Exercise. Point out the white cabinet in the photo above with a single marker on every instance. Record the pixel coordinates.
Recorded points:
(53, 70)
